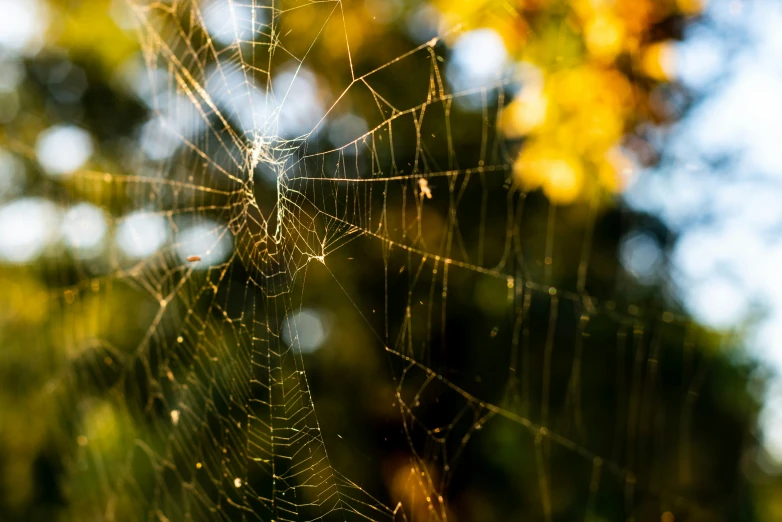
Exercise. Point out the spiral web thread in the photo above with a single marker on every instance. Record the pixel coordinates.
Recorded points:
(230, 429)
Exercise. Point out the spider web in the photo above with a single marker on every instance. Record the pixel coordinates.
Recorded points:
(211, 412)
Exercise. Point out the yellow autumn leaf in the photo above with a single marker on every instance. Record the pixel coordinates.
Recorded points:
(558, 174)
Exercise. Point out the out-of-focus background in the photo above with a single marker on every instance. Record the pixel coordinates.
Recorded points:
(640, 137)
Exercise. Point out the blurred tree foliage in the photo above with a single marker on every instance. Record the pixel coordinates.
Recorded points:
(575, 132)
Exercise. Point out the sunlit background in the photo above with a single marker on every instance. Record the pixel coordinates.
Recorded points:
(672, 110)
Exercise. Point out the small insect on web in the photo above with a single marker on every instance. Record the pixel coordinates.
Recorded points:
(423, 186)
